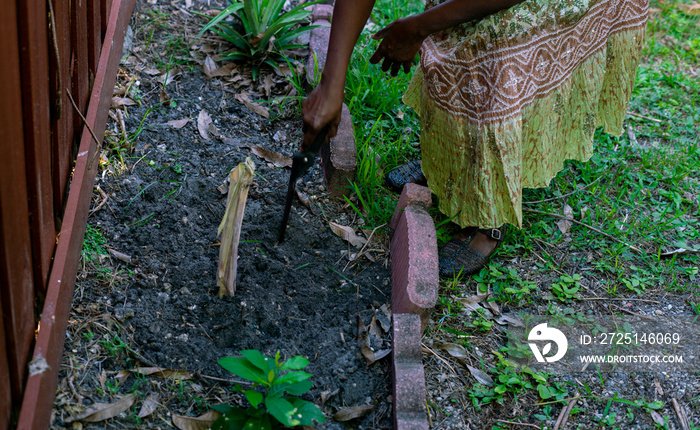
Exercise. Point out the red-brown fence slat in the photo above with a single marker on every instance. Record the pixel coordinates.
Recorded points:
(33, 19)
(105, 9)
(41, 385)
(5, 399)
(81, 71)
(62, 126)
(94, 34)
(16, 287)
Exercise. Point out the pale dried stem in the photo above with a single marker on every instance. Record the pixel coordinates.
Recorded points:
(230, 227)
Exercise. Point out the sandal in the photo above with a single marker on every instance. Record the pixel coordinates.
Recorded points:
(402, 175)
(457, 256)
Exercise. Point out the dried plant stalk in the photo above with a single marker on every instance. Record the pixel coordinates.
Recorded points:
(230, 228)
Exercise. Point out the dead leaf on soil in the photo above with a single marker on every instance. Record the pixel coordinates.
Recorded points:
(363, 341)
(202, 422)
(350, 413)
(348, 234)
(472, 303)
(255, 107)
(151, 71)
(384, 317)
(203, 121)
(163, 373)
(680, 251)
(212, 71)
(454, 350)
(149, 405)
(122, 101)
(278, 160)
(508, 320)
(658, 419)
(178, 123)
(103, 411)
(166, 78)
(304, 199)
(481, 376)
(565, 224)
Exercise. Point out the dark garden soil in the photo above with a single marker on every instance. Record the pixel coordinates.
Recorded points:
(152, 299)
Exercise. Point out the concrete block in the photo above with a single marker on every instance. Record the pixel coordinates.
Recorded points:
(409, 390)
(322, 12)
(318, 51)
(339, 157)
(411, 194)
(414, 264)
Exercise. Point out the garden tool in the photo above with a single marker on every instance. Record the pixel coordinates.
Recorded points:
(301, 161)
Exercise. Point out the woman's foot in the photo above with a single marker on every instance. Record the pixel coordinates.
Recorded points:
(468, 251)
(402, 175)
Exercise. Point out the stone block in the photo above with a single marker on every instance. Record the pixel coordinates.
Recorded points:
(339, 157)
(409, 390)
(411, 194)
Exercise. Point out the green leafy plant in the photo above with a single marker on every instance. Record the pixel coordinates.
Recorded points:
(566, 288)
(260, 31)
(278, 404)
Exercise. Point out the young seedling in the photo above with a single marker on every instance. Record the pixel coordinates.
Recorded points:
(278, 404)
(230, 228)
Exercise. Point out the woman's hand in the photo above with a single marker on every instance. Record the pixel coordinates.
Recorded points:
(401, 41)
(321, 108)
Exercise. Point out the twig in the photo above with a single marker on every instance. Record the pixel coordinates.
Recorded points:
(439, 357)
(517, 423)
(644, 117)
(564, 415)
(682, 417)
(644, 317)
(105, 196)
(632, 247)
(565, 195)
(359, 254)
(620, 298)
(75, 106)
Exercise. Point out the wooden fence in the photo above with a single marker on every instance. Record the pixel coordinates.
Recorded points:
(60, 59)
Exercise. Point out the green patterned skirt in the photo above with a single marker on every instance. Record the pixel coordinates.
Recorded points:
(504, 101)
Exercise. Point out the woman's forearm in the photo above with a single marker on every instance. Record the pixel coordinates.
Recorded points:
(349, 18)
(454, 12)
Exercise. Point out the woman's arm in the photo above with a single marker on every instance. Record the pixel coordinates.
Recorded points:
(323, 105)
(403, 37)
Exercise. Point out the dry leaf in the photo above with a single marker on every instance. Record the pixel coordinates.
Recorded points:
(230, 228)
(350, 413)
(122, 101)
(203, 121)
(508, 320)
(163, 373)
(680, 251)
(178, 123)
(260, 110)
(272, 157)
(304, 199)
(565, 224)
(690, 9)
(384, 317)
(166, 78)
(149, 405)
(363, 341)
(481, 376)
(211, 71)
(152, 72)
(658, 419)
(103, 411)
(202, 422)
(347, 234)
(120, 256)
(471, 304)
(454, 350)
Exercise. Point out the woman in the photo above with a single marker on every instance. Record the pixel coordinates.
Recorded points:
(506, 91)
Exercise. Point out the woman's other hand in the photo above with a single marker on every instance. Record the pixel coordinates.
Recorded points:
(321, 108)
(401, 41)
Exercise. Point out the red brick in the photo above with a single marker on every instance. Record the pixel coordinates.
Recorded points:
(409, 391)
(414, 264)
(411, 194)
(339, 158)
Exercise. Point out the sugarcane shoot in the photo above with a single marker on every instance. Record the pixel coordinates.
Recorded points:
(230, 228)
